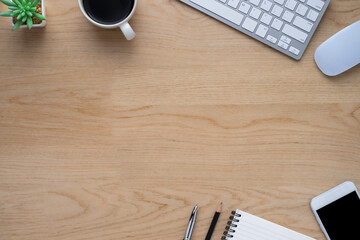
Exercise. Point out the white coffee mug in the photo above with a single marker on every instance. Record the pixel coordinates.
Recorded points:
(124, 24)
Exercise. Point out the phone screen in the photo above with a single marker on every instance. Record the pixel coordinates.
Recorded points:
(341, 218)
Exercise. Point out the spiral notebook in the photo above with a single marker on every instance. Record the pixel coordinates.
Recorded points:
(244, 226)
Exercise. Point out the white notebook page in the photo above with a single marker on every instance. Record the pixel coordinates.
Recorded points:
(250, 227)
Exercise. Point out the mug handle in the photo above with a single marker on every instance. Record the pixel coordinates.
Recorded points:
(127, 31)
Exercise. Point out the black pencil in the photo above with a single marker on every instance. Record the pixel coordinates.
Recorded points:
(213, 223)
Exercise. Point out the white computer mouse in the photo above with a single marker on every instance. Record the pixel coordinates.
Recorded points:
(340, 52)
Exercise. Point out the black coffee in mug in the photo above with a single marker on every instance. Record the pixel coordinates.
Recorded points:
(108, 11)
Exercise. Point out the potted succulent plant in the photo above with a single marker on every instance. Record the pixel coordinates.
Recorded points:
(25, 13)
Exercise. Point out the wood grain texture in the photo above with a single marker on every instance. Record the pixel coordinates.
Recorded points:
(101, 138)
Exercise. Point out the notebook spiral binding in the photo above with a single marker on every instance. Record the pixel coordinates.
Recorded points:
(229, 230)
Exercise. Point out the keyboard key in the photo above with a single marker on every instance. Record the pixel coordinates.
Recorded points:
(266, 18)
(317, 4)
(262, 30)
(248, 24)
(244, 7)
(266, 5)
(255, 13)
(312, 15)
(294, 33)
(277, 24)
(281, 2)
(221, 10)
(301, 9)
(285, 39)
(294, 50)
(303, 24)
(283, 45)
(277, 10)
(233, 3)
(288, 16)
(290, 4)
(255, 2)
(271, 39)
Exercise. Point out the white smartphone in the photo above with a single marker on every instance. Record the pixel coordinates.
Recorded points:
(338, 212)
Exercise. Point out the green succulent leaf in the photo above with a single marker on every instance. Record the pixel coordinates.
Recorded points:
(17, 25)
(29, 23)
(29, 14)
(24, 19)
(35, 3)
(8, 3)
(17, 3)
(39, 16)
(19, 17)
(13, 8)
(6, 14)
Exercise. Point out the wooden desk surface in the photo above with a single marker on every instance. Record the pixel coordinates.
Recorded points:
(101, 138)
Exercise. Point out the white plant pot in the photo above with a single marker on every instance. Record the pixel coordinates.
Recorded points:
(42, 24)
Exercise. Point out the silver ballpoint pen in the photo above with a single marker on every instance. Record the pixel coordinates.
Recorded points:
(191, 224)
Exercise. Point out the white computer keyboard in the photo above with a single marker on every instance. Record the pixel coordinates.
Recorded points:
(285, 25)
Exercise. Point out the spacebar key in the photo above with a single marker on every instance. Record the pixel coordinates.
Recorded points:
(221, 10)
